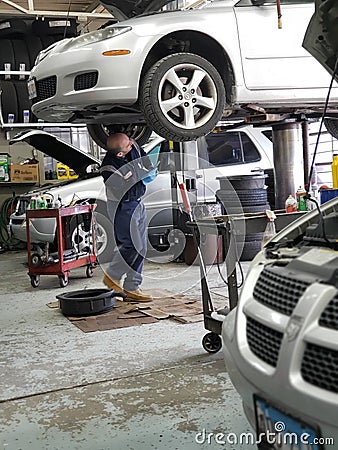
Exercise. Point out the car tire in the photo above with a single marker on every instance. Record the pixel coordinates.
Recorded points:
(332, 127)
(34, 48)
(81, 238)
(13, 28)
(9, 102)
(105, 241)
(99, 132)
(6, 55)
(157, 87)
(250, 250)
(23, 101)
(21, 55)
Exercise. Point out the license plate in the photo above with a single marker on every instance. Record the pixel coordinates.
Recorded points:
(31, 86)
(277, 430)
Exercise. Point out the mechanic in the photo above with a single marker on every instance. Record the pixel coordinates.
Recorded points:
(126, 169)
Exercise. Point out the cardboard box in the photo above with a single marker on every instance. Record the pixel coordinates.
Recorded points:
(24, 173)
(4, 170)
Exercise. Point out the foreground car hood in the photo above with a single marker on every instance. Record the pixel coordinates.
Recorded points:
(321, 38)
(58, 149)
(123, 9)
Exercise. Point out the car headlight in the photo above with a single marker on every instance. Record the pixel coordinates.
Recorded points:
(44, 53)
(96, 36)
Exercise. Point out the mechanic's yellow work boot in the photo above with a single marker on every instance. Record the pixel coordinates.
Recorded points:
(137, 296)
(112, 284)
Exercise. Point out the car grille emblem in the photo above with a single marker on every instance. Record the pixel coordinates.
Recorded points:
(293, 328)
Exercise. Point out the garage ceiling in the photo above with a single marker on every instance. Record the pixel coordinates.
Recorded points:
(88, 12)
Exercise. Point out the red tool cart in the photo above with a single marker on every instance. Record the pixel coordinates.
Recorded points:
(42, 262)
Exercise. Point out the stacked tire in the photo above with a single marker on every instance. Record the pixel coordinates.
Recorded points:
(241, 195)
(21, 40)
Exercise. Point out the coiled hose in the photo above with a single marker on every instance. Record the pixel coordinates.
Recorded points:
(6, 241)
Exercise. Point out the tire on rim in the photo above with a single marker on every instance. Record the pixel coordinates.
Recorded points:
(99, 132)
(182, 96)
(105, 243)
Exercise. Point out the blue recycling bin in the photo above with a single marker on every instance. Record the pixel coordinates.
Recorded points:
(327, 194)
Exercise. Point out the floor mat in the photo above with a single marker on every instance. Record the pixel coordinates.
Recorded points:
(165, 305)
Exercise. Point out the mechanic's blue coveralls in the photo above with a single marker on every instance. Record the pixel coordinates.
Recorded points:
(126, 211)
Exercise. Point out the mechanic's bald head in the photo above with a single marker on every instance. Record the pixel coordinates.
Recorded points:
(119, 144)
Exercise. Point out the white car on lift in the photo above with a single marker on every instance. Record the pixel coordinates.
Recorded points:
(179, 72)
(250, 151)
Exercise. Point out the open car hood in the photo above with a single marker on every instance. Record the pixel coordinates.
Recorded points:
(58, 149)
(124, 9)
(321, 37)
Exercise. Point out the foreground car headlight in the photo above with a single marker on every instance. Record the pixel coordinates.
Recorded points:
(96, 36)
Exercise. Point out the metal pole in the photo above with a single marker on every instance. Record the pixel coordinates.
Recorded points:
(306, 156)
(288, 160)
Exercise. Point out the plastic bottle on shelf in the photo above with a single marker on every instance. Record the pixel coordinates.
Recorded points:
(32, 203)
(41, 202)
(291, 204)
(334, 168)
(301, 200)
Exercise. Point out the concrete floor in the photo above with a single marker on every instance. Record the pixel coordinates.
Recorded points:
(146, 387)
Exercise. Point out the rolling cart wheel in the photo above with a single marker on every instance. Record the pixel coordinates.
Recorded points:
(63, 279)
(89, 272)
(212, 343)
(35, 280)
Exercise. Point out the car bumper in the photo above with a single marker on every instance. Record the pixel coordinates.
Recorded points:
(117, 78)
(283, 385)
(40, 230)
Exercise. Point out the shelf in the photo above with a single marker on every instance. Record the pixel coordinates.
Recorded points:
(11, 183)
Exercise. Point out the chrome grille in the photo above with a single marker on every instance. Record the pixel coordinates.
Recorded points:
(263, 341)
(45, 88)
(329, 317)
(320, 367)
(85, 80)
(277, 291)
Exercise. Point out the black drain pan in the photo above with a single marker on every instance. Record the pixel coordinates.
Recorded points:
(88, 302)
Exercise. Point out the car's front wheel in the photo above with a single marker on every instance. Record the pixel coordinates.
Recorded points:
(182, 96)
(100, 131)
